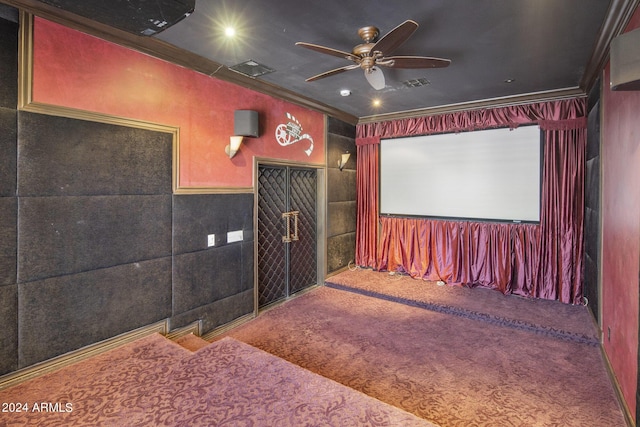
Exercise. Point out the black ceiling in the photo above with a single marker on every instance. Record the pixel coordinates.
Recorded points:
(541, 44)
(546, 48)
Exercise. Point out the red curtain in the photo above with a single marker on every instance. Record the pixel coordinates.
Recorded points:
(562, 216)
(367, 175)
(542, 260)
(494, 255)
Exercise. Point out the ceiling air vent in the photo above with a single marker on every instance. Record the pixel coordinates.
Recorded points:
(416, 82)
(251, 68)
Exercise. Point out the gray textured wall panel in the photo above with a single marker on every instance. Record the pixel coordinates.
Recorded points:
(592, 206)
(247, 265)
(8, 329)
(8, 240)
(341, 195)
(593, 134)
(592, 180)
(196, 216)
(65, 235)
(342, 218)
(203, 277)
(217, 313)
(65, 313)
(8, 151)
(342, 184)
(341, 250)
(68, 157)
(592, 237)
(8, 64)
(339, 127)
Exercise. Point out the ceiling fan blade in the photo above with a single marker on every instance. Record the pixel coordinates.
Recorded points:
(394, 38)
(328, 51)
(413, 62)
(375, 77)
(332, 72)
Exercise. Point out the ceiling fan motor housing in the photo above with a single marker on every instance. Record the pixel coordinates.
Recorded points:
(368, 34)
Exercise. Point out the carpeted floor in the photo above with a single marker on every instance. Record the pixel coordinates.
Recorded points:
(553, 318)
(459, 357)
(379, 350)
(155, 382)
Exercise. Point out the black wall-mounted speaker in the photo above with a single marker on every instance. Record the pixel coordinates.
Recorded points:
(142, 17)
(625, 61)
(245, 123)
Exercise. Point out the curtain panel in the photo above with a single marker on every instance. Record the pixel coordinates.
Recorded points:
(538, 260)
(494, 255)
(367, 176)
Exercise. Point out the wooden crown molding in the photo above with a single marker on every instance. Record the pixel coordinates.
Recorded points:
(617, 18)
(618, 15)
(167, 52)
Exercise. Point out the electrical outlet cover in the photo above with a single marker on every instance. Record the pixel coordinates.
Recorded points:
(234, 236)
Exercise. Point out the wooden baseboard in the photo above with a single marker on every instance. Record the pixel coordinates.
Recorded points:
(210, 336)
(614, 381)
(80, 354)
(194, 328)
(351, 266)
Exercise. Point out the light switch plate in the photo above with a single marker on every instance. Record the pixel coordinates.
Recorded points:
(211, 240)
(234, 236)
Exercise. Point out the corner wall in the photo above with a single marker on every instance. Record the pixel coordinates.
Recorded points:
(620, 212)
(8, 199)
(592, 206)
(94, 244)
(92, 241)
(341, 195)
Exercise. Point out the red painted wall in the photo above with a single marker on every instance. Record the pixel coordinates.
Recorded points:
(72, 69)
(621, 230)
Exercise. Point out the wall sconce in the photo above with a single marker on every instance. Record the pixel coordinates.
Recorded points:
(343, 160)
(245, 123)
(234, 145)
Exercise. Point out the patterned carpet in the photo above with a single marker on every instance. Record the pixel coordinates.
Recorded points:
(448, 367)
(155, 382)
(553, 318)
(379, 350)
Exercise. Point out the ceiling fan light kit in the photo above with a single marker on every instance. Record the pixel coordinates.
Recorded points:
(372, 54)
(375, 77)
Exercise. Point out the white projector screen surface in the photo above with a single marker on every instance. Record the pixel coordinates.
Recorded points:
(486, 175)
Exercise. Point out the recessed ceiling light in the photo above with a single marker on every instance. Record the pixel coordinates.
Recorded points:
(345, 92)
(229, 31)
(510, 80)
(376, 102)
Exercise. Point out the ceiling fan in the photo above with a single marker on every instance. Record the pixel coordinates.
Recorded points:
(371, 54)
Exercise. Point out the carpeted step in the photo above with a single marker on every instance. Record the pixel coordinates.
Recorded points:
(154, 381)
(191, 342)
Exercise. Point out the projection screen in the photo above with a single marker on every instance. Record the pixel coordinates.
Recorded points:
(482, 175)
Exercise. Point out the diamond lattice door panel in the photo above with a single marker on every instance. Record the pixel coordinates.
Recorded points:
(287, 259)
(272, 254)
(302, 253)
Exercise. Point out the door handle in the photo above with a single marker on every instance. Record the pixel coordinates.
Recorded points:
(294, 236)
(289, 237)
